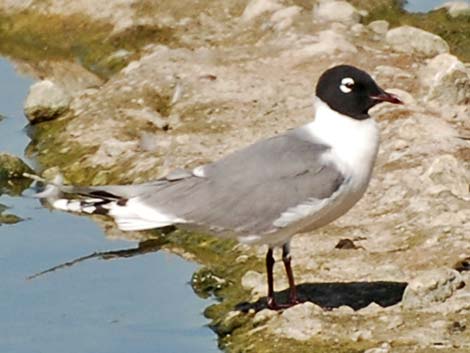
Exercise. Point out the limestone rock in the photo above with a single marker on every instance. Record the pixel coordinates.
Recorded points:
(300, 322)
(255, 8)
(414, 40)
(431, 287)
(384, 348)
(456, 8)
(254, 281)
(447, 173)
(285, 17)
(329, 42)
(447, 80)
(263, 316)
(358, 29)
(147, 114)
(336, 11)
(45, 101)
(379, 26)
(71, 77)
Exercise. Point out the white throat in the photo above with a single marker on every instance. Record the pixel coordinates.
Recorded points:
(354, 143)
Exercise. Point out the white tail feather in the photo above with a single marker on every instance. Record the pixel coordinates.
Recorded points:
(135, 215)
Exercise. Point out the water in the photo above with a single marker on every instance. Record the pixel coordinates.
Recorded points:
(423, 5)
(137, 304)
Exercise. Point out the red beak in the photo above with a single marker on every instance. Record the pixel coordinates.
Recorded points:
(386, 97)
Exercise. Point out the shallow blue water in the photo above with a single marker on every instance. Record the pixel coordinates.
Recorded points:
(423, 5)
(139, 304)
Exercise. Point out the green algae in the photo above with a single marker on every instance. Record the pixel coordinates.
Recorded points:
(49, 149)
(8, 218)
(454, 30)
(12, 167)
(12, 181)
(25, 36)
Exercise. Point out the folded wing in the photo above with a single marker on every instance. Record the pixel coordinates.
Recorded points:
(256, 190)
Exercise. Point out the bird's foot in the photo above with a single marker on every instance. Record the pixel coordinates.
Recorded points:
(273, 305)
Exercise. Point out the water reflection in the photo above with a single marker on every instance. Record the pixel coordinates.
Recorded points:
(137, 303)
(144, 247)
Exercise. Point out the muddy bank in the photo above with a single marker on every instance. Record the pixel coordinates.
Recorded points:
(235, 72)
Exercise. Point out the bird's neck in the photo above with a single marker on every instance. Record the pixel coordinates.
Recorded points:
(353, 142)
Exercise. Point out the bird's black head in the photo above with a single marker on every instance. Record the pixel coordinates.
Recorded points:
(351, 91)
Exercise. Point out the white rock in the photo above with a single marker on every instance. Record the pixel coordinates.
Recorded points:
(379, 27)
(414, 40)
(329, 42)
(431, 287)
(391, 72)
(361, 335)
(45, 101)
(447, 80)
(300, 322)
(263, 316)
(120, 54)
(344, 310)
(372, 308)
(358, 28)
(148, 142)
(147, 114)
(447, 173)
(456, 8)
(336, 11)
(133, 65)
(285, 17)
(384, 348)
(255, 8)
(254, 281)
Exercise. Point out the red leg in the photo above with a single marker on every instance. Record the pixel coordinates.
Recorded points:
(286, 258)
(269, 269)
(272, 304)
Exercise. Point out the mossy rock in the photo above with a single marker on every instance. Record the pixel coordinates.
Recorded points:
(8, 218)
(12, 181)
(12, 167)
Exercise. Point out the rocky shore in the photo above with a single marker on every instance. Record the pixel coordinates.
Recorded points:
(208, 77)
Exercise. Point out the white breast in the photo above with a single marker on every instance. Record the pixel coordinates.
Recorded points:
(354, 143)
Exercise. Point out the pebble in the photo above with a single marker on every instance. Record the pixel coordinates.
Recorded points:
(264, 315)
(383, 348)
(45, 101)
(379, 27)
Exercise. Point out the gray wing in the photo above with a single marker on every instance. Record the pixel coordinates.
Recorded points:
(249, 190)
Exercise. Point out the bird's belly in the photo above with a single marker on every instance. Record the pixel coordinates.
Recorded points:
(345, 199)
(341, 203)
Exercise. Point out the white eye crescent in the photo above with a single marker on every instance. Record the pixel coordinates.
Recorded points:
(347, 84)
